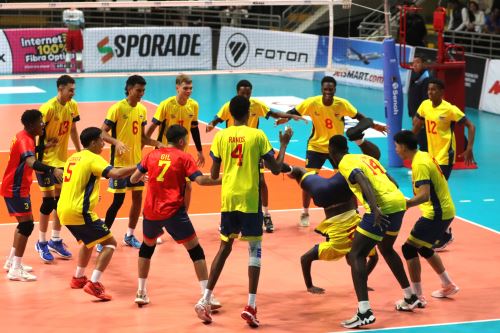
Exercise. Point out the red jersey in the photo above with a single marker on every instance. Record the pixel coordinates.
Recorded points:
(18, 175)
(167, 170)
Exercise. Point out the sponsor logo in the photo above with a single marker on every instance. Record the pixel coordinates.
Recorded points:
(280, 55)
(395, 93)
(495, 88)
(105, 50)
(157, 45)
(237, 49)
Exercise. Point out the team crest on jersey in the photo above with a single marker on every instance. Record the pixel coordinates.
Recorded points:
(191, 115)
(172, 116)
(125, 116)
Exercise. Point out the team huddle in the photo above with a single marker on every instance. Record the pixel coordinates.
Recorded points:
(70, 188)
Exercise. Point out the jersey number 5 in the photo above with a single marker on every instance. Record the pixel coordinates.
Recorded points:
(69, 172)
(238, 153)
(164, 165)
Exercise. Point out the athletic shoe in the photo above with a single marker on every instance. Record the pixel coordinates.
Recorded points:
(304, 220)
(268, 223)
(214, 303)
(44, 252)
(8, 264)
(423, 302)
(78, 282)
(250, 315)
(60, 248)
(98, 248)
(159, 240)
(359, 319)
(203, 310)
(96, 289)
(132, 241)
(141, 298)
(446, 291)
(18, 274)
(445, 240)
(408, 304)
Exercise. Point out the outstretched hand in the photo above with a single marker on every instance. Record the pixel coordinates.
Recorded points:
(286, 136)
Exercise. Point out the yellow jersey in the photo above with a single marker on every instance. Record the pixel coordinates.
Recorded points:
(257, 109)
(439, 125)
(58, 121)
(425, 170)
(126, 123)
(80, 190)
(240, 148)
(389, 198)
(327, 121)
(170, 112)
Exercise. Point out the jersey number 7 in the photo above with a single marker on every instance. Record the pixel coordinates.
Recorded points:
(164, 165)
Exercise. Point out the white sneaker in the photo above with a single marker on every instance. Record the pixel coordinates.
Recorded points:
(8, 264)
(141, 298)
(18, 274)
(214, 303)
(159, 240)
(304, 220)
(203, 310)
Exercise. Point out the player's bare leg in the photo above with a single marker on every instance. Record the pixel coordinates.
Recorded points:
(94, 286)
(264, 197)
(304, 217)
(135, 212)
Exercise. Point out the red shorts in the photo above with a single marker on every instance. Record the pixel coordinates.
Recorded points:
(74, 41)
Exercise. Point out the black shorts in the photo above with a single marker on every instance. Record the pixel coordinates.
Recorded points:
(46, 181)
(179, 226)
(18, 206)
(248, 224)
(427, 232)
(315, 160)
(91, 233)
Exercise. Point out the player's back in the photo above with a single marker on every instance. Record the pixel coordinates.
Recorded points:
(326, 192)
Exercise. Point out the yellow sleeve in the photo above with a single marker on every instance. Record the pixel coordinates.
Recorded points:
(421, 109)
(456, 114)
(349, 109)
(112, 114)
(224, 113)
(196, 110)
(100, 167)
(214, 149)
(76, 113)
(159, 115)
(420, 174)
(304, 107)
(265, 145)
(262, 108)
(46, 113)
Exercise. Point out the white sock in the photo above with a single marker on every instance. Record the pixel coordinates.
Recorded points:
(364, 306)
(142, 284)
(42, 237)
(207, 294)
(55, 235)
(251, 300)
(80, 271)
(203, 285)
(16, 262)
(12, 253)
(130, 232)
(445, 279)
(407, 292)
(305, 210)
(417, 287)
(96, 276)
(265, 210)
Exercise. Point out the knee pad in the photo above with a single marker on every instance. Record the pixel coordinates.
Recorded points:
(146, 251)
(25, 228)
(48, 205)
(426, 252)
(255, 253)
(79, 56)
(196, 253)
(409, 251)
(68, 56)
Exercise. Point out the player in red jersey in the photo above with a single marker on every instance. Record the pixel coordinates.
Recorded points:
(16, 189)
(167, 169)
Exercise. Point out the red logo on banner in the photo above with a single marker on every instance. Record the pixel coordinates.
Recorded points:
(495, 88)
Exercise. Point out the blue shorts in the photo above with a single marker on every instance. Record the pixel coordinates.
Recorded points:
(179, 226)
(367, 228)
(91, 233)
(446, 169)
(427, 232)
(46, 181)
(18, 206)
(123, 185)
(234, 223)
(315, 160)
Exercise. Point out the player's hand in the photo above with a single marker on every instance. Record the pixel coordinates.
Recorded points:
(381, 128)
(201, 160)
(468, 157)
(209, 127)
(58, 174)
(121, 148)
(51, 142)
(297, 118)
(381, 220)
(280, 121)
(286, 136)
(161, 145)
(316, 290)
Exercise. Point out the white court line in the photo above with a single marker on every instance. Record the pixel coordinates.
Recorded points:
(21, 90)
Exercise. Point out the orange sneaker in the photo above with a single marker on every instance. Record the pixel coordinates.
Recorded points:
(78, 283)
(250, 315)
(96, 289)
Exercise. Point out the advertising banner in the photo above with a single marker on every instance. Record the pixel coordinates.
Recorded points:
(263, 49)
(32, 50)
(150, 48)
(490, 100)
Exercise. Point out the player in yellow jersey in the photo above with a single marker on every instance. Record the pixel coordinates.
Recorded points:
(327, 113)
(60, 115)
(385, 207)
(126, 120)
(180, 109)
(440, 118)
(434, 200)
(240, 148)
(257, 110)
(79, 196)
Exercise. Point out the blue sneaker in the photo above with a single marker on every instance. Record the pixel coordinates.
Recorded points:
(43, 250)
(59, 248)
(98, 248)
(132, 241)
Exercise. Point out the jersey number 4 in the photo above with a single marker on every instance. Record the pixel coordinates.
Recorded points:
(164, 165)
(238, 153)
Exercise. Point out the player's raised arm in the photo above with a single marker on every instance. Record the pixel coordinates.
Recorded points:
(275, 165)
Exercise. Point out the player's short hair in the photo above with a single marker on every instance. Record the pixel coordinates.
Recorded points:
(64, 80)
(132, 81)
(89, 134)
(338, 144)
(175, 133)
(243, 83)
(239, 107)
(329, 79)
(30, 117)
(420, 56)
(407, 138)
(180, 79)
(437, 82)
